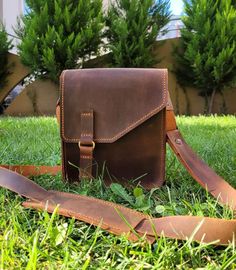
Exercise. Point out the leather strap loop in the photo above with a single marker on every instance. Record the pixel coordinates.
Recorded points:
(86, 144)
(170, 116)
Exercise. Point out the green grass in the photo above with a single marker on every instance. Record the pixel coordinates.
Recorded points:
(37, 240)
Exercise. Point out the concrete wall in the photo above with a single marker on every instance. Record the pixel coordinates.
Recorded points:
(17, 73)
(40, 97)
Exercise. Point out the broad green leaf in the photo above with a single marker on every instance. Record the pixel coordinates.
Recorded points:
(121, 192)
(62, 229)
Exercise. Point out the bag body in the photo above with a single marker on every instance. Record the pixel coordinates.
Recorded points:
(113, 123)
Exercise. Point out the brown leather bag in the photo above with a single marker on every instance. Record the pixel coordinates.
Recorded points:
(122, 118)
(114, 118)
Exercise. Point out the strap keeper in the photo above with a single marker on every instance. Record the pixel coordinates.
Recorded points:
(87, 145)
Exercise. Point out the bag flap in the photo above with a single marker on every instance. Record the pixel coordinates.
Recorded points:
(121, 100)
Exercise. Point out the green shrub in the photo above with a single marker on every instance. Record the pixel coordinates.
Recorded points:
(133, 26)
(207, 54)
(60, 34)
(5, 46)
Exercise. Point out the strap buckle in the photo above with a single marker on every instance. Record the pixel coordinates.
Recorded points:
(87, 145)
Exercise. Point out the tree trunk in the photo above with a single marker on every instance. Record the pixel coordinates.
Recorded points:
(188, 110)
(206, 108)
(224, 105)
(212, 99)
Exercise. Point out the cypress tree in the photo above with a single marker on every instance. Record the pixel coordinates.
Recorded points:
(59, 34)
(5, 46)
(133, 26)
(206, 57)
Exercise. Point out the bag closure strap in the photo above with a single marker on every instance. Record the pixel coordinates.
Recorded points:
(86, 144)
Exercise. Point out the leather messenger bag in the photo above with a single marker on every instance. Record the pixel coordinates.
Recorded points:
(116, 122)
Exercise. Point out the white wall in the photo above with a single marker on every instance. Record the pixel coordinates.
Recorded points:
(9, 11)
(1, 10)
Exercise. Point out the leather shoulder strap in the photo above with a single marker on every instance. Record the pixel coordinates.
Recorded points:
(200, 171)
(118, 219)
(33, 170)
(196, 167)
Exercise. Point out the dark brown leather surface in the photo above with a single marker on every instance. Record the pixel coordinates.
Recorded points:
(129, 120)
(141, 152)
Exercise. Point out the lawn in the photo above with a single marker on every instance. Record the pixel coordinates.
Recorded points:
(37, 240)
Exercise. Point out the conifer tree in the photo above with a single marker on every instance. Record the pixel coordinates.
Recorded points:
(207, 55)
(133, 26)
(5, 46)
(59, 34)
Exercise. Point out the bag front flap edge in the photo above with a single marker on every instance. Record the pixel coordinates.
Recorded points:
(121, 100)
